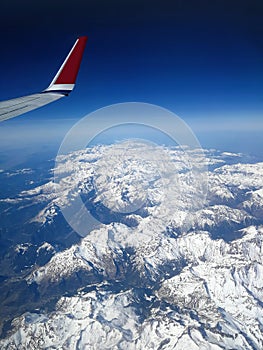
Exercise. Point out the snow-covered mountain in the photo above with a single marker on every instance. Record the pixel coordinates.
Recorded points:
(176, 262)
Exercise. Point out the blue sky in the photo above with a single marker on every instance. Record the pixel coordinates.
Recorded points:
(203, 60)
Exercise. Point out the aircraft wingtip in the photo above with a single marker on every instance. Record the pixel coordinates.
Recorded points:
(65, 78)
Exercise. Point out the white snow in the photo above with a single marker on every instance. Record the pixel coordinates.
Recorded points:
(205, 293)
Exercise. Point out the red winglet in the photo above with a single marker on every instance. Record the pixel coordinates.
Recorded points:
(65, 78)
(70, 68)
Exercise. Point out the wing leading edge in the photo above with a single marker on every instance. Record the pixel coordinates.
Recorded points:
(62, 84)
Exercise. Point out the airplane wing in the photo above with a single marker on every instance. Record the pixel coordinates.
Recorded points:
(62, 84)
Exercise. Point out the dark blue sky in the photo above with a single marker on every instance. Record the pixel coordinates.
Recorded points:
(201, 59)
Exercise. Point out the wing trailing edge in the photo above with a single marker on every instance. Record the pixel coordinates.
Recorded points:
(62, 84)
